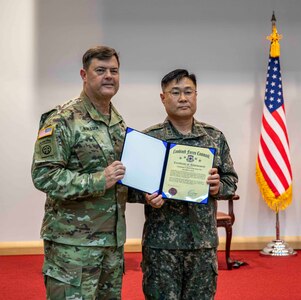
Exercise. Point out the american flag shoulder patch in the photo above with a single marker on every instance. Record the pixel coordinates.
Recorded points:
(45, 132)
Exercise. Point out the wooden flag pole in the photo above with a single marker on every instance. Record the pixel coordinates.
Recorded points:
(277, 226)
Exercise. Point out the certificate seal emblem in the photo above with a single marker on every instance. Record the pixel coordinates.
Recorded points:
(190, 158)
(172, 191)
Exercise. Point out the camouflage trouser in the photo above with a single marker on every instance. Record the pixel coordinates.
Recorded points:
(82, 273)
(179, 274)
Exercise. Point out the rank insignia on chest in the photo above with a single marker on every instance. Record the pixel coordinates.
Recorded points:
(45, 132)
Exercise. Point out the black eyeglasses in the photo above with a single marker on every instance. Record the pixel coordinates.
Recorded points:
(176, 93)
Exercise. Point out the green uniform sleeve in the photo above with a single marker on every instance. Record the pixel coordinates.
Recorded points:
(228, 175)
(51, 169)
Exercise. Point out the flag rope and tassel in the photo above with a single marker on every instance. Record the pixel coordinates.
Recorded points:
(273, 167)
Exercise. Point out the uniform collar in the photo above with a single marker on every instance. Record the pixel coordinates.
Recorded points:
(172, 133)
(96, 115)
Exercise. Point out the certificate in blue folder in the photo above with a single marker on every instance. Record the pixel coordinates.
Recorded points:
(178, 172)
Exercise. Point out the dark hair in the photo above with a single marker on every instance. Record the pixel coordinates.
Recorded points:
(99, 52)
(177, 75)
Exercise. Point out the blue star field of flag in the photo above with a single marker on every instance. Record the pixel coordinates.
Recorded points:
(273, 93)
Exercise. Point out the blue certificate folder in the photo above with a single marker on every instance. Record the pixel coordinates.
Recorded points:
(152, 166)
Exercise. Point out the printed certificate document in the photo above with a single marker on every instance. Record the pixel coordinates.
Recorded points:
(176, 171)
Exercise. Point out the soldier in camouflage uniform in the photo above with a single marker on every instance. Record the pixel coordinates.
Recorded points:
(180, 238)
(76, 164)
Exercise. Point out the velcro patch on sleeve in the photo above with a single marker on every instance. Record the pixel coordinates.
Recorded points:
(46, 148)
(48, 131)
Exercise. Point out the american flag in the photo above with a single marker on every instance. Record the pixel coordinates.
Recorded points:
(273, 169)
(45, 132)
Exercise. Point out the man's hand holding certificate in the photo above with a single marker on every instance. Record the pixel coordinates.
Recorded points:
(177, 172)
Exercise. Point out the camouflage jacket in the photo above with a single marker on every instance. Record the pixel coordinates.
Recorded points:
(74, 145)
(187, 225)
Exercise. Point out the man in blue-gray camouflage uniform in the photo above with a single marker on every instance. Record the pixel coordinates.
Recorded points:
(76, 163)
(180, 238)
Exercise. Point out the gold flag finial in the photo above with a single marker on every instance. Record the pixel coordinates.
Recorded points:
(274, 38)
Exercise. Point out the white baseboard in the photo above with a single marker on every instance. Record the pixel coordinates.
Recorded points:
(134, 245)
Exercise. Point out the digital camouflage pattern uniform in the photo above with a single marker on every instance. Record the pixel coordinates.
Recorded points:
(180, 239)
(84, 224)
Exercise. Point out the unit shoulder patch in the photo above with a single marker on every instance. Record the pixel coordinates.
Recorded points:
(46, 148)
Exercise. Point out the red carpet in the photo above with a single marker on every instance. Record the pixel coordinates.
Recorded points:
(264, 278)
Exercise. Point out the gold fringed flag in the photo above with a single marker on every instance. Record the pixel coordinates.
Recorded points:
(273, 167)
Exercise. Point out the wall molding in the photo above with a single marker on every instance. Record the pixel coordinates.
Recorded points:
(134, 245)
